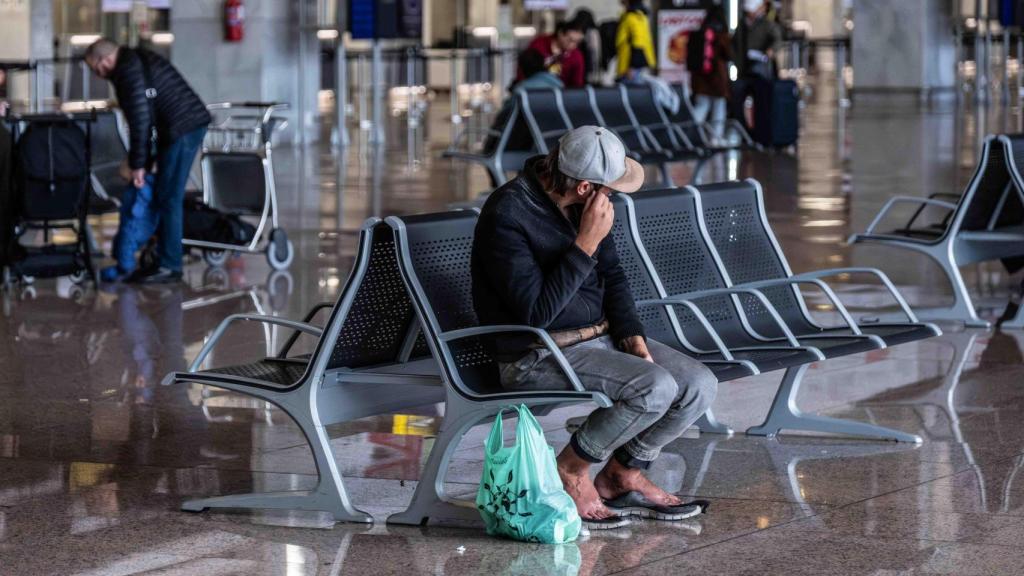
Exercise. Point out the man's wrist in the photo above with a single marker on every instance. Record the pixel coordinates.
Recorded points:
(588, 248)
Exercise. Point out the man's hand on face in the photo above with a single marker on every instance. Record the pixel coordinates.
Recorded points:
(637, 346)
(596, 221)
(139, 177)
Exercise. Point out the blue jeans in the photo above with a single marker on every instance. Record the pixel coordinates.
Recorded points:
(173, 163)
(652, 403)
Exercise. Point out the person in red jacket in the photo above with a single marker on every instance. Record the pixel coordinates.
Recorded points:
(561, 56)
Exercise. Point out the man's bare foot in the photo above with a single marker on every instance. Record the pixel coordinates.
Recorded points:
(615, 480)
(575, 474)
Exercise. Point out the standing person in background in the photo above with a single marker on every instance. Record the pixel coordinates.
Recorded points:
(153, 94)
(754, 46)
(634, 44)
(708, 53)
(561, 55)
(590, 45)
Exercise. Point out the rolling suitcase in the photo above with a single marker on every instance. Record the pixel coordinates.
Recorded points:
(776, 113)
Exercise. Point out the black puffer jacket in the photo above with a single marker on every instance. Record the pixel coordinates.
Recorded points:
(178, 109)
(528, 270)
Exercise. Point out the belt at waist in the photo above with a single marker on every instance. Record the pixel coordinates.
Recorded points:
(566, 338)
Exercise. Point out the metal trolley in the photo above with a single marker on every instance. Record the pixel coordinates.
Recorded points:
(238, 178)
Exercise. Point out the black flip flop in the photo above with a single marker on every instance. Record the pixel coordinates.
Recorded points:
(609, 523)
(636, 504)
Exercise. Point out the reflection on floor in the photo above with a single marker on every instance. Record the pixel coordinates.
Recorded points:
(96, 456)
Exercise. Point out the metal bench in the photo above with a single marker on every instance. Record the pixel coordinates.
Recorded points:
(507, 144)
(686, 265)
(650, 117)
(434, 258)
(544, 115)
(702, 133)
(368, 360)
(987, 223)
(734, 217)
(610, 109)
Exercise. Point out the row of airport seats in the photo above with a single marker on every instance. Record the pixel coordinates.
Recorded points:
(984, 223)
(709, 278)
(652, 135)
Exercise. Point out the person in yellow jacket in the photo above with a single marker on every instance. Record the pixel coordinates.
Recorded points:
(634, 44)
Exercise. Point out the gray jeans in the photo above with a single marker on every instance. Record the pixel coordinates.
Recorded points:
(653, 404)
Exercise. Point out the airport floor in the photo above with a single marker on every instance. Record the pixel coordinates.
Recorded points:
(96, 456)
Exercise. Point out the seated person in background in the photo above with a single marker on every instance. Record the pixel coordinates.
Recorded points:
(542, 256)
(137, 224)
(535, 75)
(561, 56)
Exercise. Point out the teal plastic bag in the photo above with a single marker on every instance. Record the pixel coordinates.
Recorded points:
(521, 496)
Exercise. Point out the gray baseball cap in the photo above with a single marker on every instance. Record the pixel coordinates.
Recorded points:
(596, 154)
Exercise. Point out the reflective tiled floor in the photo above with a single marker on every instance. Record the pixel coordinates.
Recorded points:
(95, 455)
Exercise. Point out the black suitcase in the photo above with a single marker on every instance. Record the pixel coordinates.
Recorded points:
(776, 113)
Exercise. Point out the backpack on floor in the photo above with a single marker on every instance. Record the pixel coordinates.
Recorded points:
(201, 222)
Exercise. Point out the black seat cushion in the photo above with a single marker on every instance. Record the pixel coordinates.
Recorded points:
(282, 373)
(892, 334)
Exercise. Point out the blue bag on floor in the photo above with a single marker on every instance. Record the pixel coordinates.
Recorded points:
(521, 496)
(138, 222)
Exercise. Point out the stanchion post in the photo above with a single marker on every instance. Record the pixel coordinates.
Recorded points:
(377, 73)
(456, 117)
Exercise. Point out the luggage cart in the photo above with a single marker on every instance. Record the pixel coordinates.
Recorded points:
(47, 198)
(238, 178)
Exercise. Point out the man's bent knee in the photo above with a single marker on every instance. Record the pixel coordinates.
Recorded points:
(705, 384)
(659, 390)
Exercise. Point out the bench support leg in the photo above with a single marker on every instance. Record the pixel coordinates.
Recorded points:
(708, 423)
(430, 499)
(784, 414)
(963, 307)
(329, 494)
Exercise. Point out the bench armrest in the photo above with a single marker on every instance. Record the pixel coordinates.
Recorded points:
(308, 318)
(864, 270)
(833, 298)
(219, 331)
(468, 131)
(905, 200)
(570, 374)
(699, 315)
(678, 299)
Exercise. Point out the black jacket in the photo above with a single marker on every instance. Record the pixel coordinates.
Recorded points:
(178, 110)
(528, 270)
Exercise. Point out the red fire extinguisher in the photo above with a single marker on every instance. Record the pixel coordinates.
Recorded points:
(234, 20)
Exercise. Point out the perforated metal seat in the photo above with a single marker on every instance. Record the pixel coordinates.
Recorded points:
(669, 228)
(647, 114)
(369, 359)
(671, 242)
(506, 145)
(282, 373)
(735, 220)
(543, 112)
(985, 223)
(699, 133)
(434, 254)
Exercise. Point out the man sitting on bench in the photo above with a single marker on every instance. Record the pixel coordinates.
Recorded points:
(542, 256)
